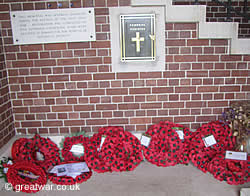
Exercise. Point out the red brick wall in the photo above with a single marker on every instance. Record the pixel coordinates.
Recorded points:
(58, 88)
(7, 130)
(217, 13)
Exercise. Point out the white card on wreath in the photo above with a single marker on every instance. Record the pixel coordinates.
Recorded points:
(102, 141)
(236, 155)
(180, 134)
(209, 140)
(77, 149)
(145, 140)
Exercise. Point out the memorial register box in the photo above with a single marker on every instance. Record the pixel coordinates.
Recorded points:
(137, 37)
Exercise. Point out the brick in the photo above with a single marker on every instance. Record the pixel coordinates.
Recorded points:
(202, 89)
(205, 118)
(185, 50)
(181, 119)
(197, 74)
(229, 88)
(134, 91)
(19, 64)
(49, 94)
(185, 26)
(174, 74)
(90, 60)
(173, 105)
(219, 42)
(198, 42)
(40, 6)
(106, 107)
(100, 44)
(40, 109)
(208, 58)
(94, 92)
(58, 78)
(74, 122)
(96, 122)
(185, 58)
(130, 75)
(185, 89)
(62, 108)
(42, 63)
(140, 120)
(24, 95)
(112, 3)
(72, 93)
(156, 90)
(246, 58)
(20, 110)
(70, 61)
(119, 91)
(55, 46)
(35, 79)
(169, 26)
(246, 88)
(80, 77)
(124, 2)
(4, 7)
(118, 121)
(31, 124)
(180, 42)
(54, 123)
(150, 75)
(231, 58)
(104, 76)
(84, 107)
(151, 105)
(219, 73)
(218, 104)
(130, 106)
(4, 16)
(242, 73)
(196, 104)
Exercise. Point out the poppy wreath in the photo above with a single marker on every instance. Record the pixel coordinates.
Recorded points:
(24, 183)
(166, 148)
(201, 155)
(68, 180)
(21, 149)
(67, 145)
(120, 151)
(27, 150)
(234, 172)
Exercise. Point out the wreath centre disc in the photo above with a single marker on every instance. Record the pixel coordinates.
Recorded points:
(77, 150)
(39, 156)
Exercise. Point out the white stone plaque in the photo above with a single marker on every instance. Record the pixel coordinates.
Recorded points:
(53, 26)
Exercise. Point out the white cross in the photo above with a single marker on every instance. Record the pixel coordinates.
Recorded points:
(138, 40)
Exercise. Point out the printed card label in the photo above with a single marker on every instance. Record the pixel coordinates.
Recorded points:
(70, 169)
(236, 155)
(180, 134)
(77, 149)
(102, 141)
(209, 140)
(145, 140)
